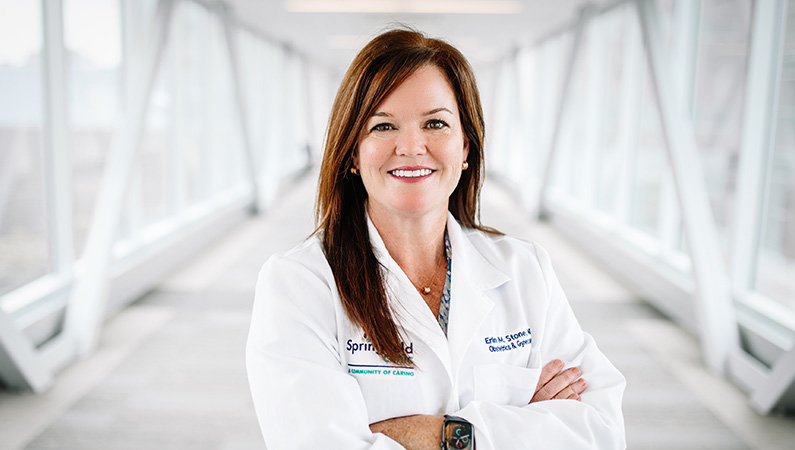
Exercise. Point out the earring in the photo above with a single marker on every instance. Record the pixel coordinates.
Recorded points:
(354, 171)
(465, 166)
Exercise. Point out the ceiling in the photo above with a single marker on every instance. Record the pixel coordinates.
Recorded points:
(333, 38)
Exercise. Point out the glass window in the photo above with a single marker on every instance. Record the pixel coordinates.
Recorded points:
(620, 103)
(718, 101)
(777, 247)
(192, 112)
(648, 164)
(227, 145)
(24, 241)
(92, 37)
(152, 180)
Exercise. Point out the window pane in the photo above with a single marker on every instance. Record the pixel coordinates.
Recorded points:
(24, 241)
(649, 164)
(192, 111)
(228, 152)
(718, 101)
(92, 36)
(152, 163)
(777, 248)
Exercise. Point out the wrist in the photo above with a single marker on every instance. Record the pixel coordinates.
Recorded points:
(457, 434)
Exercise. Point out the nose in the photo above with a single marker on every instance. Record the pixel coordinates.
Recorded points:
(410, 142)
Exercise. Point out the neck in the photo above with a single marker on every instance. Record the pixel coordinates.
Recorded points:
(415, 243)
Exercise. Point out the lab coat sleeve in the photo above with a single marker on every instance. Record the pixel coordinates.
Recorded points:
(303, 397)
(595, 422)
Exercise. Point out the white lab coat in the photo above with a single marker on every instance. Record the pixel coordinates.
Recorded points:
(317, 383)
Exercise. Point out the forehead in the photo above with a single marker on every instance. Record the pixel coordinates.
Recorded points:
(426, 89)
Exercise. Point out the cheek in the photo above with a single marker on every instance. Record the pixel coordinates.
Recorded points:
(371, 154)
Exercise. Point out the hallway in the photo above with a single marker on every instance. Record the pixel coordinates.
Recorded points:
(169, 372)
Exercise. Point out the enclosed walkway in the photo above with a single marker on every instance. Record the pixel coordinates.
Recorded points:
(154, 153)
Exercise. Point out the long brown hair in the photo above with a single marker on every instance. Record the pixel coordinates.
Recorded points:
(380, 67)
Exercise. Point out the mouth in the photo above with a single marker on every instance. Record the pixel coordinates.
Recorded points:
(416, 173)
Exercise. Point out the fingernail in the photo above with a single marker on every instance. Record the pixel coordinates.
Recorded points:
(558, 363)
(577, 371)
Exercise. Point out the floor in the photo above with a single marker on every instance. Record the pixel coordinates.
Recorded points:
(169, 372)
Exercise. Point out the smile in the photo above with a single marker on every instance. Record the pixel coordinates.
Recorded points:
(411, 173)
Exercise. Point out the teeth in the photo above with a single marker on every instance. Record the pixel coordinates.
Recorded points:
(411, 173)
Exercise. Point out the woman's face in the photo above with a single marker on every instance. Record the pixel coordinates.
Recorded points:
(411, 150)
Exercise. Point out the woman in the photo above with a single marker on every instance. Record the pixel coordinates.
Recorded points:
(402, 322)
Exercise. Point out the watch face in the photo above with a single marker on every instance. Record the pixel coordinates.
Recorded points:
(457, 436)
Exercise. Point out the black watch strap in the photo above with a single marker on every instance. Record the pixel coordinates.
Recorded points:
(457, 434)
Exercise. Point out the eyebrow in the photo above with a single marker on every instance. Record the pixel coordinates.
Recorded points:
(436, 110)
(433, 111)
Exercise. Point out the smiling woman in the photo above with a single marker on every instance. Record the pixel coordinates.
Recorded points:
(367, 334)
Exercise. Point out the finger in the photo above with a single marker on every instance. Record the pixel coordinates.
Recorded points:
(548, 372)
(558, 383)
(573, 390)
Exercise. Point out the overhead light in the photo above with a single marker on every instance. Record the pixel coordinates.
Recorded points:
(405, 6)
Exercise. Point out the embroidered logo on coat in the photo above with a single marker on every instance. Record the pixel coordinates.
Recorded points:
(510, 341)
(384, 369)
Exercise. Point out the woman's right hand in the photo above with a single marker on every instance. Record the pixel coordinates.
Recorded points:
(554, 384)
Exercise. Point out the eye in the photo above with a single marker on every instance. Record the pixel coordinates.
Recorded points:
(436, 124)
(383, 127)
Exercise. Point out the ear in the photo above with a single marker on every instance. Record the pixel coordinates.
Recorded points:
(355, 158)
(466, 148)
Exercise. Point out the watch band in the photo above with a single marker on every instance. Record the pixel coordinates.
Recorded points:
(457, 434)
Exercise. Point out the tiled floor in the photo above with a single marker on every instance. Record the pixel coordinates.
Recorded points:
(170, 372)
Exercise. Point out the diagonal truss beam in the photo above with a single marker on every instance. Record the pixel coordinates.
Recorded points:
(717, 323)
(87, 304)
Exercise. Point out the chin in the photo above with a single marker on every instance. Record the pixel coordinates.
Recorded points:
(415, 208)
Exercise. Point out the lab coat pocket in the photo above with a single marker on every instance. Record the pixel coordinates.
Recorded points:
(505, 384)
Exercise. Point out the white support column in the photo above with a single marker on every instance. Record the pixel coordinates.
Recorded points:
(237, 83)
(769, 20)
(57, 147)
(585, 13)
(715, 310)
(86, 309)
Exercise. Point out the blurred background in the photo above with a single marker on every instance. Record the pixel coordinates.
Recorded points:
(154, 153)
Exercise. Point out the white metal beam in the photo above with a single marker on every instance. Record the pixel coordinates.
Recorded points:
(86, 309)
(57, 148)
(769, 19)
(584, 14)
(717, 324)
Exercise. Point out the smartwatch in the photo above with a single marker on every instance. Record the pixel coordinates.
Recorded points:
(457, 434)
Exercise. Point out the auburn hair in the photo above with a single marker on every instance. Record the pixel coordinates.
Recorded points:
(379, 68)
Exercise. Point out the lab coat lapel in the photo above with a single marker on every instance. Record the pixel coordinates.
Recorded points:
(472, 275)
(409, 307)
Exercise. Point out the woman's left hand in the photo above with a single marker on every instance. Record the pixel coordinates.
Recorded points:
(554, 384)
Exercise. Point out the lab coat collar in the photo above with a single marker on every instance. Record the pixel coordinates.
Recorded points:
(472, 274)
